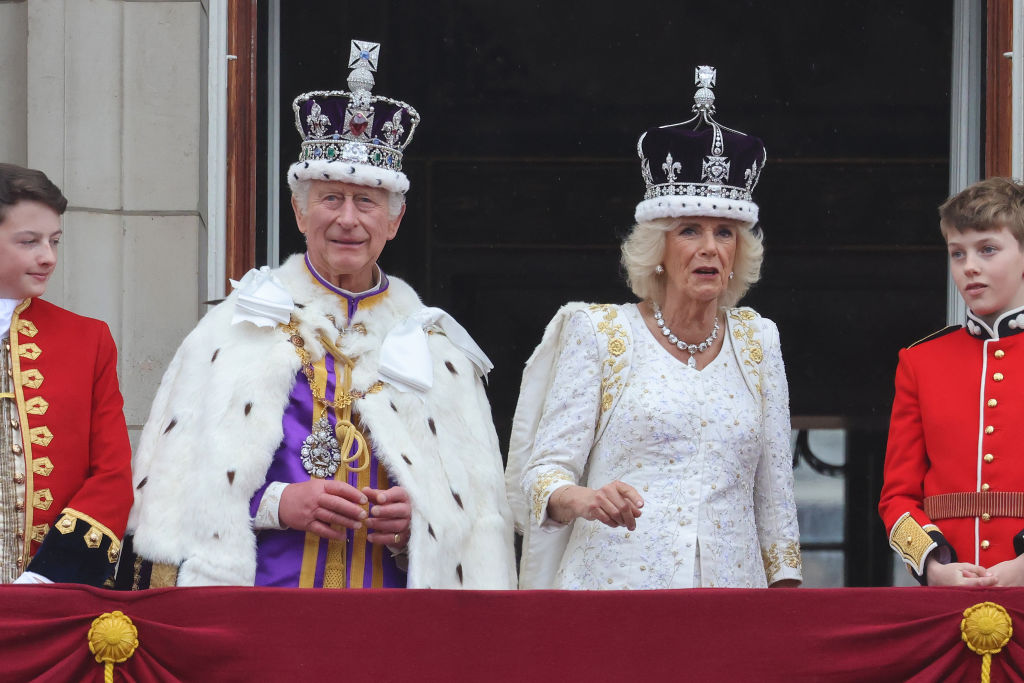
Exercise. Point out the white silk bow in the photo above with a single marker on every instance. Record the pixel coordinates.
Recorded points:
(405, 360)
(262, 299)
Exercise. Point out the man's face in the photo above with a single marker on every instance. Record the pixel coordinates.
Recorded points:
(988, 269)
(346, 227)
(29, 235)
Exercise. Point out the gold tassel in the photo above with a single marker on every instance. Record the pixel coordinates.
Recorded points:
(986, 628)
(113, 638)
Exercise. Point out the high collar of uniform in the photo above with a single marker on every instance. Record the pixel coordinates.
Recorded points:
(356, 300)
(1009, 323)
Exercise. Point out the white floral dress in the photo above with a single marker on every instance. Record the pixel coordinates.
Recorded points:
(717, 482)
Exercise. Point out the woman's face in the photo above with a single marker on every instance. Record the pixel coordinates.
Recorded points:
(699, 255)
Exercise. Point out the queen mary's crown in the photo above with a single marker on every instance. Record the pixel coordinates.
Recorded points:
(354, 136)
(699, 167)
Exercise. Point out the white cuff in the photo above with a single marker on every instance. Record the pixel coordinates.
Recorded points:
(31, 577)
(267, 513)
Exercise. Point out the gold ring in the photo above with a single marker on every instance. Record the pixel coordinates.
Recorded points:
(398, 540)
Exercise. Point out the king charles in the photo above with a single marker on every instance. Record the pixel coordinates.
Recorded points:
(321, 427)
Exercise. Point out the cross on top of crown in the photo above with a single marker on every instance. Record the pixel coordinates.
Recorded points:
(363, 54)
(704, 76)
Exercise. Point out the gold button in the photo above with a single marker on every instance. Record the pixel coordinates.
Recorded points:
(94, 537)
(984, 545)
(19, 478)
(985, 487)
(910, 540)
(998, 377)
(992, 403)
(14, 423)
(999, 354)
(989, 429)
(985, 517)
(19, 506)
(21, 561)
(10, 372)
(67, 522)
(20, 534)
(16, 447)
(989, 457)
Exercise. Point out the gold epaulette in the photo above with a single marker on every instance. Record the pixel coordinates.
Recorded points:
(936, 334)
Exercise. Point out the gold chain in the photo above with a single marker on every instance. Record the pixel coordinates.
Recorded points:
(340, 402)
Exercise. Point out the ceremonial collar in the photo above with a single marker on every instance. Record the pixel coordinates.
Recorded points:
(355, 300)
(1009, 323)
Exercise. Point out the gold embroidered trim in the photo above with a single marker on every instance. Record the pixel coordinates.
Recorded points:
(42, 466)
(37, 405)
(910, 540)
(26, 327)
(774, 560)
(93, 537)
(20, 326)
(611, 381)
(39, 532)
(42, 499)
(30, 351)
(750, 348)
(163, 575)
(66, 524)
(540, 490)
(32, 378)
(41, 436)
(94, 525)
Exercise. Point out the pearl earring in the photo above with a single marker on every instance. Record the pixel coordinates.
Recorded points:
(659, 269)
(732, 275)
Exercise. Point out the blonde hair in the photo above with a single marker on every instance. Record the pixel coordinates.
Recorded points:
(986, 205)
(644, 249)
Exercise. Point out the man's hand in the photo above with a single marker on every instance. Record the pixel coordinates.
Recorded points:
(958, 574)
(390, 516)
(316, 504)
(615, 504)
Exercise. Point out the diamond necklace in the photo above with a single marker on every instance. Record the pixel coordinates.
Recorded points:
(680, 344)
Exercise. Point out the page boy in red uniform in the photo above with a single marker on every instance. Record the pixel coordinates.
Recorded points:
(65, 459)
(953, 497)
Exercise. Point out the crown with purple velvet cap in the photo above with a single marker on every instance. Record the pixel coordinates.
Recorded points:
(699, 167)
(355, 136)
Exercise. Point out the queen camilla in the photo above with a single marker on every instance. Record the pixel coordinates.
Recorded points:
(650, 446)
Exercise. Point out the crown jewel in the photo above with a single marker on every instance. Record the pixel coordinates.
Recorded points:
(699, 167)
(369, 132)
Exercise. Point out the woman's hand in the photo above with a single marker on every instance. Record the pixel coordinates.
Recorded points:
(316, 504)
(958, 574)
(390, 516)
(1010, 572)
(615, 504)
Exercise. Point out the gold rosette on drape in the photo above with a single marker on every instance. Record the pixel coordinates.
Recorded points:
(113, 639)
(986, 628)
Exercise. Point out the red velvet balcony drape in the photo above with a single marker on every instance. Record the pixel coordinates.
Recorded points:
(249, 634)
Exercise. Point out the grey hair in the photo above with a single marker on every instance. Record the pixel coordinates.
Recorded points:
(644, 249)
(301, 188)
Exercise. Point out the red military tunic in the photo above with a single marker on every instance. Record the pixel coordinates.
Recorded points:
(73, 440)
(953, 472)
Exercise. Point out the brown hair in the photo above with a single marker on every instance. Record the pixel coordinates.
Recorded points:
(986, 205)
(19, 184)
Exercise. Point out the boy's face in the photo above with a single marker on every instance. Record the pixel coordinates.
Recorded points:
(988, 269)
(29, 235)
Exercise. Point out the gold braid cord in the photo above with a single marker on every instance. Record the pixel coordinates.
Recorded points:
(113, 638)
(986, 628)
(345, 431)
